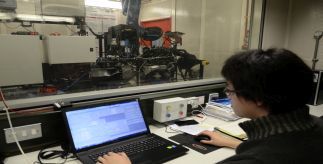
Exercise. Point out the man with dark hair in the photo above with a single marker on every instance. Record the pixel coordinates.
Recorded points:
(277, 78)
(271, 88)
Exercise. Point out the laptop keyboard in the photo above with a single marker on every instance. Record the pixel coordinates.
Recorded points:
(133, 148)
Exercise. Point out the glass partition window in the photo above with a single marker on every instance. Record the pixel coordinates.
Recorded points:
(177, 40)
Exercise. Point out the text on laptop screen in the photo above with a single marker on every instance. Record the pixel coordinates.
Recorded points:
(96, 125)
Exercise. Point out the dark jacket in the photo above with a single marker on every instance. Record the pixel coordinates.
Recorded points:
(292, 138)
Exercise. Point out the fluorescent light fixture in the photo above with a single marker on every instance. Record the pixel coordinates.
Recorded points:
(58, 19)
(103, 3)
(7, 16)
(28, 17)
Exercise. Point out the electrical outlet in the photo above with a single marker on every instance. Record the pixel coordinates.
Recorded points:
(201, 100)
(23, 133)
(194, 101)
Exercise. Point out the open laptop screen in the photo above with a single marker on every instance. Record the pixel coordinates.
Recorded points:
(92, 126)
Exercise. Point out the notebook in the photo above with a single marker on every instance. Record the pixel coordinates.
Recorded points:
(119, 127)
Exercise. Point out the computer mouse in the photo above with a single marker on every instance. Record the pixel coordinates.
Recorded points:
(202, 137)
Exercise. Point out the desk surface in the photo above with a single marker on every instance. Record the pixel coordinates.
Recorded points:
(191, 157)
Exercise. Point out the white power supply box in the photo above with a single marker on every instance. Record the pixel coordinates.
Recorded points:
(170, 109)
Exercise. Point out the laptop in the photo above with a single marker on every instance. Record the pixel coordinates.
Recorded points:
(118, 127)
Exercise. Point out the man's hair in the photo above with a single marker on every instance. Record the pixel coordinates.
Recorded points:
(276, 77)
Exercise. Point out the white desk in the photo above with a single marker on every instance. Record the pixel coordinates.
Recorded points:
(191, 157)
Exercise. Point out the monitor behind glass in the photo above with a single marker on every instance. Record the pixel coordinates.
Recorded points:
(95, 125)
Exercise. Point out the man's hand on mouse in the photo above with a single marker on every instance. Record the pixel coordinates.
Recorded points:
(218, 139)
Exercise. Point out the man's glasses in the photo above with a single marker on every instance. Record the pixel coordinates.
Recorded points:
(229, 92)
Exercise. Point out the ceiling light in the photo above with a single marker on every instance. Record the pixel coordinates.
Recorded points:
(58, 19)
(103, 3)
(40, 18)
(6, 16)
(28, 17)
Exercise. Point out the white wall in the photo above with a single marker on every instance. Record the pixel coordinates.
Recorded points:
(256, 24)
(28, 7)
(222, 33)
(306, 18)
(275, 27)
(188, 21)
(157, 9)
(291, 24)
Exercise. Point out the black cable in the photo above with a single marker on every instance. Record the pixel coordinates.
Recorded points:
(95, 34)
(52, 154)
(173, 130)
(26, 29)
(1, 159)
(70, 29)
(75, 81)
(80, 77)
